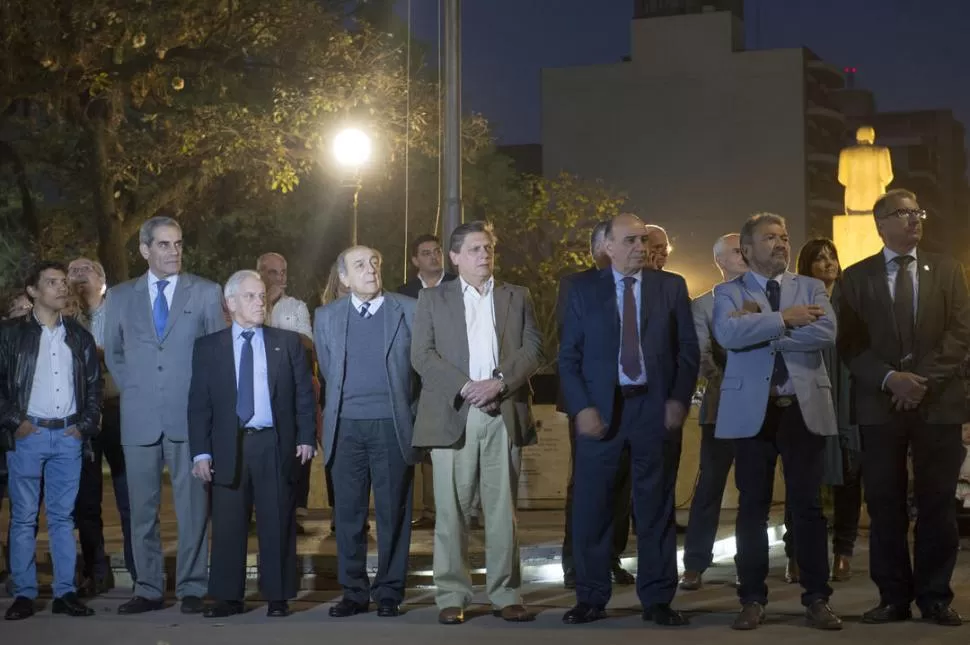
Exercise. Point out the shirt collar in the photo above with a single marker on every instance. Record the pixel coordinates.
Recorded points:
(889, 255)
(488, 286)
(153, 279)
(618, 277)
(425, 285)
(238, 329)
(58, 327)
(763, 280)
(375, 303)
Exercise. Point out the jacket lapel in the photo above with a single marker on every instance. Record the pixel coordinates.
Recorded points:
(926, 283)
(392, 320)
(274, 355)
(455, 300)
(754, 292)
(183, 290)
(227, 360)
(650, 298)
(502, 301)
(341, 322)
(879, 284)
(789, 288)
(142, 307)
(607, 304)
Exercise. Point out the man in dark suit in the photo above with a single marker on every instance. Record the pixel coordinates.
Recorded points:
(621, 502)
(251, 427)
(904, 325)
(427, 258)
(628, 362)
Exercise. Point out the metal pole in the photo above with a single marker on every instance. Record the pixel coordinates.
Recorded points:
(357, 187)
(451, 146)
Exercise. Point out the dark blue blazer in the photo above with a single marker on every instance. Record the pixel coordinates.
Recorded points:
(589, 346)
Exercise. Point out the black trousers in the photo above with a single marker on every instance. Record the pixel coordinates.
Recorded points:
(367, 453)
(259, 482)
(937, 457)
(621, 506)
(637, 426)
(87, 510)
(783, 433)
(717, 455)
(302, 486)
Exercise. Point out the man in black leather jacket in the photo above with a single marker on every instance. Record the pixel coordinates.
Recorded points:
(50, 402)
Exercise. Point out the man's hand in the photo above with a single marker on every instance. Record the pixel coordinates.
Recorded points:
(908, 389)
(492, 409)
(590, 424)
(305, 453)
(72, 432)
(481, 393)
(203, 470)
(674, 415)
(25, 429)
(801, 315)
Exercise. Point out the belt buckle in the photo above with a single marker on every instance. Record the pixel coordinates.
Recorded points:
(784, 401)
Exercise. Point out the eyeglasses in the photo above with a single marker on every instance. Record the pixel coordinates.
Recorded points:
(906, 213)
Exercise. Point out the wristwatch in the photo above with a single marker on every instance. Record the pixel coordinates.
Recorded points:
(501, 377)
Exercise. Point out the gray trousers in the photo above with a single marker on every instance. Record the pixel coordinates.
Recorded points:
(144, 465)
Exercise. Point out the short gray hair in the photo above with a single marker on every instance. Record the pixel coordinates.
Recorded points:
(342, 258)
(97, 266)
(719, 245)
(459, 234)
(265, 256)
(756, 220)
(146, 234)
(598, 235)
(236, 280)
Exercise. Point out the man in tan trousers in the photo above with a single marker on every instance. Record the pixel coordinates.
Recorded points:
(475, 346)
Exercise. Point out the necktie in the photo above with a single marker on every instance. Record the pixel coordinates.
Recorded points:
(160, 309)
(779, 375)
(903, 305)
(364, 310)
(630, 344)
(245, 398)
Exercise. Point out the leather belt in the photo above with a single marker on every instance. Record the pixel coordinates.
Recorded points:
(249, 431)
(781, 401)
(55, 424)
(630, 391)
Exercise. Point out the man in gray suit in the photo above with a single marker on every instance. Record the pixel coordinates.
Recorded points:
(363, 343)
(776, 401)
(151, 324)
(475, 347)
(717, 455)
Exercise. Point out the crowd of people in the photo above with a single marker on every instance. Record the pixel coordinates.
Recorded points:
(844, 375)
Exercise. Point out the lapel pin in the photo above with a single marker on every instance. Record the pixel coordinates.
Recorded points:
(276, 349)
(926, 267)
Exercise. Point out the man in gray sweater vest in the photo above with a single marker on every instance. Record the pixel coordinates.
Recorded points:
(363, 343)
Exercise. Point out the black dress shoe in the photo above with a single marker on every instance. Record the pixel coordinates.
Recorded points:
(663, 614)
(348, 607)
(387, 608)
(569, 579)
(621, 576)
(278, 609)
(192, 605)
(583, 613)
(139, 605)
(886, 613)
(224, 609)
(942, 615)
(69, 605)
(821, 616)
(20, 609)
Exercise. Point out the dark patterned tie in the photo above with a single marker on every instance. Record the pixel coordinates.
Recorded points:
(245, 397)
(779, 375)
(630, 345)
(365, 310)
(903, 305)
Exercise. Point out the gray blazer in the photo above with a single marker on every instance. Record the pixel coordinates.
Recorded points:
(153, 375)
(713, 356)
(440, 356)
(753, 339)
(330, 340)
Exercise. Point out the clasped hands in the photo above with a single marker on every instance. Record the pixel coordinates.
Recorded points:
(484, 394)
(907, 389)
(590, 424)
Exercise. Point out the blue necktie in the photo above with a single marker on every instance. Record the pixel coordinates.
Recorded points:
(160, 309)
(245, 398)
(779, 375)
(365, 310)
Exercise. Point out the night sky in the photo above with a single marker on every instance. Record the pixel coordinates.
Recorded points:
(913, 54)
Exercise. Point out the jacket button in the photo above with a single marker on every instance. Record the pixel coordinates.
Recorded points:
(159, 368)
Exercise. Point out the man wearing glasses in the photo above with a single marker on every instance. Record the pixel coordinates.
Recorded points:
(904, 331)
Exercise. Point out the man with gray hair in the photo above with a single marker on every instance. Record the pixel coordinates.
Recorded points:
(363, 343)
(87, 276)
(151, 324)
(658, 247)
(717, 455)
(621, 501)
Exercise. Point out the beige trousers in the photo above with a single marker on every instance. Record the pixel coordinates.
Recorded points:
(489, 463)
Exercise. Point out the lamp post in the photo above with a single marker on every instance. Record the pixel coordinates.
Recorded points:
(352, 149)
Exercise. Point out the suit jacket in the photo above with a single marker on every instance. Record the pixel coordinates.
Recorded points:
(439, 353)
(213, 424)
(562, 305)
(413, 287)
(869, 340)
(589, 348)
(713, 356)
(330, 339)
(752, 340)
(153, 375)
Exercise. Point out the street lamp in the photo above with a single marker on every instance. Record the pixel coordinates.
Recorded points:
(352, 149)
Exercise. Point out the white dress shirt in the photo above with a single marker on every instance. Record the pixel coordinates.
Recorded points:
(620, 289)
(52, 392)
(788, 387)
(480, 327)
(372, 308)
(291, 314)
(169, 289)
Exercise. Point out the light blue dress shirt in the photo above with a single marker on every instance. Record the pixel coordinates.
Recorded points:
(637, 288)
(788, 388)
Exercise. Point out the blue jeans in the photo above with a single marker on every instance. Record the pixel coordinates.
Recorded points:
(57, 457)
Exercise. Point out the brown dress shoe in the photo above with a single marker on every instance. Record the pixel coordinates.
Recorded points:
(451, 616)
(514, 614)
(691, 581)
(751, 615)
(821, 616)
(792, 574)
(841, 569)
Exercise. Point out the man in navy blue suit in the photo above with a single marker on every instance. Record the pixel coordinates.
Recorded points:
(628, 362)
